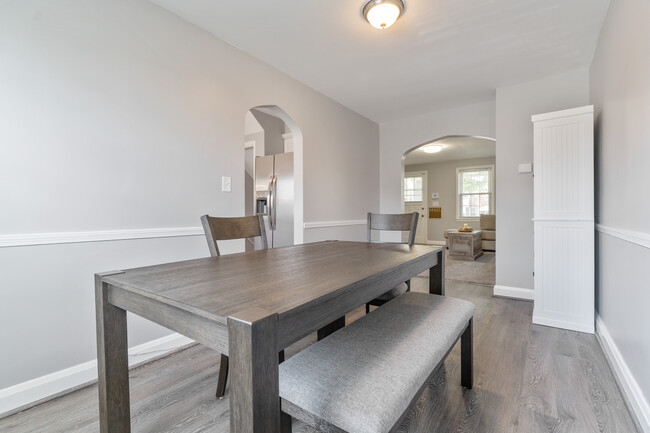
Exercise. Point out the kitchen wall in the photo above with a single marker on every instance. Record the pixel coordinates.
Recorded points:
(620, 92)
(514, 132)
(118, 121)
(441, 178)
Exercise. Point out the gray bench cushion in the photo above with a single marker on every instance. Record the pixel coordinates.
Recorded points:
(363, 377)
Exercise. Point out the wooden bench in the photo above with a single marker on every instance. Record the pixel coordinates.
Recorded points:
(367, 376)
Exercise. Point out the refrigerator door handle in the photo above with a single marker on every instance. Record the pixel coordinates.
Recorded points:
(273, 181)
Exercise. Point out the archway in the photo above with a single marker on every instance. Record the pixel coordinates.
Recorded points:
(269, 130)
(439, 183)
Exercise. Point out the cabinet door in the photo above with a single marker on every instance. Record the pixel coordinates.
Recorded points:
(564, 168)
(564, 275)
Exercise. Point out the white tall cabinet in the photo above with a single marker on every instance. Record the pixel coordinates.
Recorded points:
(564, 219)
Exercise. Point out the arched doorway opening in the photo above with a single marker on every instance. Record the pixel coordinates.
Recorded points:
(273, 149)
(450, 181)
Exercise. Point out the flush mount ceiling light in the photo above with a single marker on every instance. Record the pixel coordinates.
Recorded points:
(432, 148)
(381, 14)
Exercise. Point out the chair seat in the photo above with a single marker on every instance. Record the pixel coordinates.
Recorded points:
(393, 293)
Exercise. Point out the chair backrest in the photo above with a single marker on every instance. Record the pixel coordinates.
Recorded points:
(407, 222)
(221, 229)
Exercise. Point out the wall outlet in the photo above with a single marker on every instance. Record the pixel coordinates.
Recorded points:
(226, 184)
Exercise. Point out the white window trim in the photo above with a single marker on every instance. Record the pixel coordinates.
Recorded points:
(474, 167)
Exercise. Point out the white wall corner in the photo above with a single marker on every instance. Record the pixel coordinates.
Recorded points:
(513, 292)
(24, 395)
(628, 384)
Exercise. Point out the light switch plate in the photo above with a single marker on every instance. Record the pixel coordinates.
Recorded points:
(526, 167)
(226, 184)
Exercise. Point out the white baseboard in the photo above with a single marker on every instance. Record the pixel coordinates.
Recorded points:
(514, 292)
(27, 394)
(629, 385)
(563, 324)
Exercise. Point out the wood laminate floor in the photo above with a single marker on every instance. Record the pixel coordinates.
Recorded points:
(528, 378)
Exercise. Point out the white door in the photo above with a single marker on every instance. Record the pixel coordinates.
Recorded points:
(415, 200)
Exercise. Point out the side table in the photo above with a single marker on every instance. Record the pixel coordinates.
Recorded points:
(465, 245)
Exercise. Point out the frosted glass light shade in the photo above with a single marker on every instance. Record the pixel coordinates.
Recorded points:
(382, 14)
(432, 148)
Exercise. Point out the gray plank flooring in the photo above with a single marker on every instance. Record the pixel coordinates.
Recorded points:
(528, 378)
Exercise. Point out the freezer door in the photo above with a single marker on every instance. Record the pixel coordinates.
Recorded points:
(283, 200)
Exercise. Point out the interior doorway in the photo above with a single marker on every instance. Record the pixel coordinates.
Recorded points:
(274, 174)
(450, 182)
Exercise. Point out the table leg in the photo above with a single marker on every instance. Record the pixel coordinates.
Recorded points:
(254, 386)
(437, 275)
(112, 363)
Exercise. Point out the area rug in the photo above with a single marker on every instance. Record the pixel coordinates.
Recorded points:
(480, 271)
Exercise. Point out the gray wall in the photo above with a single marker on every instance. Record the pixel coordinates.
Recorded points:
(620, 91)
(118, 115)
(441, 178)
(514, 132)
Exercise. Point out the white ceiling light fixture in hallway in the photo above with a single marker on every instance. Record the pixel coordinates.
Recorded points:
(382, 14)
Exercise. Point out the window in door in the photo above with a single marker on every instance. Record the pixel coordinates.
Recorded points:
(475, 186)
(413, 189)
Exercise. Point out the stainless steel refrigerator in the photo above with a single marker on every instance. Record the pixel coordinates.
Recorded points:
(274, 197)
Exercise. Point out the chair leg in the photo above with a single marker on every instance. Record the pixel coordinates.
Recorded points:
(466, 361)
(285, 422)
(408, 285)
(223, 373)
(330, 328)
(223, 376)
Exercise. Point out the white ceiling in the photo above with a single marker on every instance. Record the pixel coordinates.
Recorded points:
(439, 54)
(454, 148)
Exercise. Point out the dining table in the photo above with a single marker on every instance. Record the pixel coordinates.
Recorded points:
(248, 306)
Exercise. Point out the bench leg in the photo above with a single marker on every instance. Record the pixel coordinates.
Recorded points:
(466, 361)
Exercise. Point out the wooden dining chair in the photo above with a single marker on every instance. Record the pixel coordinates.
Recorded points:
(407, 222)
(221, 229)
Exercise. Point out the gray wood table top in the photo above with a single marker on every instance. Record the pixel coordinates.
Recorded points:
(278, 280)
